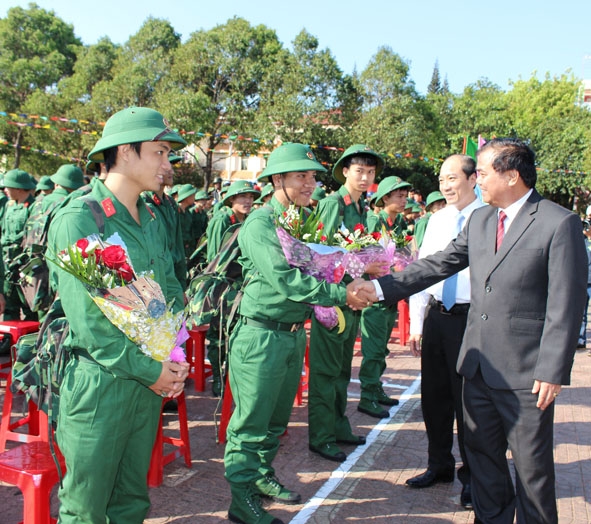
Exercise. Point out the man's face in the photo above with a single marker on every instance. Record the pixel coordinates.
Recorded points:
(457, 189)
(242, 204)
(494, 185)
(359, 177)
(149, 169)
(395, 201)
(16, 194)
(299, 186)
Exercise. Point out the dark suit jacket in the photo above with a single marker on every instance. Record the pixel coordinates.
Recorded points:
(527, 300)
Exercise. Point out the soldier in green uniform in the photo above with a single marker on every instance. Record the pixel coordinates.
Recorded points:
(267, 347)
(239, 199)
(111, 395)
(18, 184)
(66, 179)
(266, 195)
(317, 196)
(331, 352)
(377, 321)
(166, 209)
(185, 198)
(435, 202)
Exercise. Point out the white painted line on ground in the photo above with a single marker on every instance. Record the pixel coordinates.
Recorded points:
(344, 469)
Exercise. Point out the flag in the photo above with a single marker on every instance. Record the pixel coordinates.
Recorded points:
(470, 147)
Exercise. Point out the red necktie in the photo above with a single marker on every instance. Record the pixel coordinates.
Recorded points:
(501, 229)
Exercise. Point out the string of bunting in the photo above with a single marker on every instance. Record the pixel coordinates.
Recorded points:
(232, 137)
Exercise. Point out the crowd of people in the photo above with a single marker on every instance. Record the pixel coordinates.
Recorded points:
(497, 298)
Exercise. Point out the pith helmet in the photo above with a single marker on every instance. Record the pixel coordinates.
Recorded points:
(135, 124)
(290, 157)
(318, 194)
(239, 187)
(357, 149)
(69, 176)
(18, 179)
(388, 185)
(45, 184)
(202, 195)
(185, 191)
(95, 167)
(433, 197)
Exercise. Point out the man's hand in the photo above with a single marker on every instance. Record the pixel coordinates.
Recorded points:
(547, 393)
(377, 269)
(172, 379)
(360, 294)
(414, 342)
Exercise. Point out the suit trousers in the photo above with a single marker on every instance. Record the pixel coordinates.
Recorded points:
(499, 419)
(441, 389)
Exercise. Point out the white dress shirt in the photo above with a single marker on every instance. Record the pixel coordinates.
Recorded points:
(439, 233)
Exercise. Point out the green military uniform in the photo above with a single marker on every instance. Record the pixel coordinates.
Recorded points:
(421, 224)
(217, 232)
(331, 353)
(267, 348)
(166, 209)
(108, 416)
(13, 230)
(378, 320)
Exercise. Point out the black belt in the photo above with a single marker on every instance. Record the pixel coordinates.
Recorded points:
(272, 325)
(457, 309)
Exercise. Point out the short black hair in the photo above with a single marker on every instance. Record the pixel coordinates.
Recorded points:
(513, 154)
(110, 155)
(362, 159)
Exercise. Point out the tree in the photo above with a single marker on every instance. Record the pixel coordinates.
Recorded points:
(434, 86)
(37, 49)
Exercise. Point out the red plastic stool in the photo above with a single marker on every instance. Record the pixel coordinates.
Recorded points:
(402, 329)
(35, 420)
(14, 329)
(182, 445)
(299, 400)
(199, 370)
(31, 467)
(227, 410)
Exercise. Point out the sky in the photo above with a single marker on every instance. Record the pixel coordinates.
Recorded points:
(502, 41)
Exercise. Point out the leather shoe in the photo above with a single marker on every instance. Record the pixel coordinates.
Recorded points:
(354, 440)
(372, 408)
(429, 478)
(329, 451)
(384, 399)
(466, 496)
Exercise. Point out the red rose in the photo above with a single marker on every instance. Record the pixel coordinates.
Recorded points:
(114, 257)
(408, 238)
(338, 274)
(376, 235)
(82, 244)
(98, 254)
(359, 227)
(323, 238)
(320, 226)
(126, 272)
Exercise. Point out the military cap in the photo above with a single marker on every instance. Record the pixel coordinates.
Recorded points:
(240, 187)
(318, 194)
(18, 179)
(45, 184)
(433, 197)
(389, 184)
(135, 124)
(69, 176)
(174, 159)
(354, 150)
(290, 157)
(203, 195)
(267, 190)
(185, 191)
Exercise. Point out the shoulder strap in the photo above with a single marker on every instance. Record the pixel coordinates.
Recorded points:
(97, 212)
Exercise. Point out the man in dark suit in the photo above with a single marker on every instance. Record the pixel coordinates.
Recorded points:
(527, 274)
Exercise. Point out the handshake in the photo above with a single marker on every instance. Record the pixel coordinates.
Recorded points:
(361, 294)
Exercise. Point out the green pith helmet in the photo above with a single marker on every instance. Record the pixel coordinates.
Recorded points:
(69, 176)
(433, 197)
(318, 194)
(18, 179)
(388, 185)
(174, 190)
(135, 124)
(239, 187)
(290, 157)
(174, 159)
(45, 184)
(185, 191)
(267, 190)
(95, 167)
(202, 195)
(357, 149)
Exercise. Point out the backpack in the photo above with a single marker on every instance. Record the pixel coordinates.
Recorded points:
(41, 358)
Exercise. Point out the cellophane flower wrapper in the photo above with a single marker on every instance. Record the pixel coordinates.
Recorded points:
(137, 307)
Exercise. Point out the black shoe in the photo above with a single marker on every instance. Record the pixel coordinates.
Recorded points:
(353, 440)
(270, 487)
(384, 399)
(329, 452)
(466, 496)
(429, 478)
(580, 345)
(372, 408)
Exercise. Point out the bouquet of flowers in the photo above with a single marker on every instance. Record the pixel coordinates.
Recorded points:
(133, 303)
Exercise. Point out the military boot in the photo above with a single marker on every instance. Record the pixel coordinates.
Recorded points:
(269, 486)
(384, 399)
(246, 508)
(372, 408)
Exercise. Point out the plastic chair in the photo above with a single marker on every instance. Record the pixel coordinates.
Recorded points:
(402, 329)
(195, 348)
(31, 467)
(182, 445)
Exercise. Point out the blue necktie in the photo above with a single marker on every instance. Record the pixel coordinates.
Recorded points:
(450, 285)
